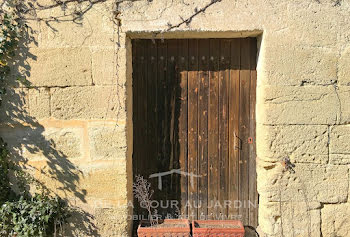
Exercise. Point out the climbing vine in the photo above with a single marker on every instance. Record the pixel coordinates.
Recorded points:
(21, 213)
(10, 34)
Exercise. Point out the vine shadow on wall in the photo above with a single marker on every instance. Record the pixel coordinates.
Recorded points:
(24, 134)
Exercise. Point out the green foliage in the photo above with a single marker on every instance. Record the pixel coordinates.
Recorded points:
(11, 30)
(21, 214)
(4, 169)
(36, 216)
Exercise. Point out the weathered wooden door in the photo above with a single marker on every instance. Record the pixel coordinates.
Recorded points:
(194, 124)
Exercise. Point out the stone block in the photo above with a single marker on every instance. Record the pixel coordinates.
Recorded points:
(104, 66)
(15, 106)
(112, 221)
(89, 184)
(336, 220)
(124, 59)
(66, 141)
(107, 142)
(93, 102)
(299, 65)
(344, 105)
(289, 27)
(39, 103)
(58, 67)
(339, 159)
(40, 143)
(297, 105)
(119, 166)
(95, 28)
(80, 223)
(308, 183)
(290, 219)
(339, 146)
(105, 184)
(344, 67)
(60, 177)
(300, 143)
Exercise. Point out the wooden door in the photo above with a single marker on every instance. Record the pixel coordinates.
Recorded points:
(194, 119)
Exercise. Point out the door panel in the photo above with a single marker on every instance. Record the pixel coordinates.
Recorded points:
(193, 85)
(194, 118)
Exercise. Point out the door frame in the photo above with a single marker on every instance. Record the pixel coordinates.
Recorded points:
(125, 71)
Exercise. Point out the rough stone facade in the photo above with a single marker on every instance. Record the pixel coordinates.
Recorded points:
(75, 118)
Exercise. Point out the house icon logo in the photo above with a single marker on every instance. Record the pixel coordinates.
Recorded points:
(173, 171)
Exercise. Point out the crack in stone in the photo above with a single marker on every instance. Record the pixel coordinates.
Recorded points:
(338, 121)
(294, 99)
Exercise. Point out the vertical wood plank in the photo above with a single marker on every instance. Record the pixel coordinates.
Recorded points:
(161, 113)
(135, 76)
(244, 129)
(140, 126)
(213, 129)
(151, 141)
(136, 119)
(253, 193)
(234, 142)
(203, 128)
(135, 67)
(224, 79)
(172, 80)
(156, 110)
(193, 87)
(142, 94)
(183, 68)
(145, 144)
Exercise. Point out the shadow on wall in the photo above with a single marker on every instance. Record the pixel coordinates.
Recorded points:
(29, 144)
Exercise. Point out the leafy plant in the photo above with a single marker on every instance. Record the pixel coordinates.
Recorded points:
(4, 169)
(20, 213)
(36, 216)
(11, 31)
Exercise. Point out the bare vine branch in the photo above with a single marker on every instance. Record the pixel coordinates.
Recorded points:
(143, 193)
(189, 19)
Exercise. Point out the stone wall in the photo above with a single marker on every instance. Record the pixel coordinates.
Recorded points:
(75, 118)
(69, 126)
